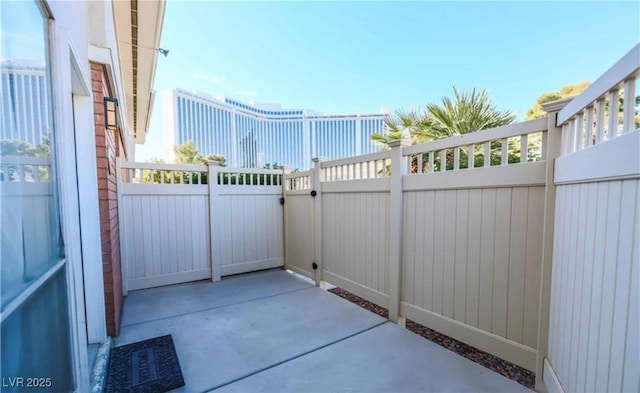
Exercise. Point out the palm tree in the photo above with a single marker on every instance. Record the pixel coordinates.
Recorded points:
(464, 113)
(406, 123)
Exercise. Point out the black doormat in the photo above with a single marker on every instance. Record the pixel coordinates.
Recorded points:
(149, 366)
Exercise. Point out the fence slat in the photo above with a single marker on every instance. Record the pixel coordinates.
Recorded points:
(504, 151)
(629, 106)
(456, 158)
(614, 106)
(524, 148)
(487, 154)
(578, 131)
(600, 108)
(588, 128)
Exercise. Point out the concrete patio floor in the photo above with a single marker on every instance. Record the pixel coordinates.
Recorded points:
(271, 331)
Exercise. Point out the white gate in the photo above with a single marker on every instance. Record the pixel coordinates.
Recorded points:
(247, 219)
(181, 223)
(299, 222)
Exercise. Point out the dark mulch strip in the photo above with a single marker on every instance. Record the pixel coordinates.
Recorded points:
(507, 369)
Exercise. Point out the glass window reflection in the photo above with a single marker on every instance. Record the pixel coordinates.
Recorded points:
(30, 233)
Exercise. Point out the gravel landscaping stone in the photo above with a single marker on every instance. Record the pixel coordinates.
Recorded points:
(502, 367)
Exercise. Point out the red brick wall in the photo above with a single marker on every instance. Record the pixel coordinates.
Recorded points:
(108, 147)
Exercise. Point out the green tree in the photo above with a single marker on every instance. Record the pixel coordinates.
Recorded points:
(406, 122)
(188, 154)
(466, 112)
(568, 91)
(463, 113)
(215, 157)
(15, 147)
(11, 147)
(536, 111)
(185, 154)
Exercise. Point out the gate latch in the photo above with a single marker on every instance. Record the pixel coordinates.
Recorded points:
(314, 266)
(313, 193)
(282, 201)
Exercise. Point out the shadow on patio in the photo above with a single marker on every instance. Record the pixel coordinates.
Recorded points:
(273, 332)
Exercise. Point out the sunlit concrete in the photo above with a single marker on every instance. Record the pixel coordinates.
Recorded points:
(272, 332)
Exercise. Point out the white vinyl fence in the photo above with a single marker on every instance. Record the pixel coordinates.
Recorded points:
(27, 202)
(522, 241)
(247, 216)
(183, 223)
(594, 327)
(472, 240)
(355, 230)
(448, 233)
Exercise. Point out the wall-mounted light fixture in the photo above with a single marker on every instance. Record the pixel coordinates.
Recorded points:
(111, 113)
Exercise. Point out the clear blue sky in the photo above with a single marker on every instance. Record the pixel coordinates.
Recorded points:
(348, 57)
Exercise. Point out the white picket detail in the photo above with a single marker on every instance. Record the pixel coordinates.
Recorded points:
(497, 142)
(27, 202)
(603, 97)
(367, 166)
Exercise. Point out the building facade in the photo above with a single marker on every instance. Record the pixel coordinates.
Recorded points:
(255, 134)
(59, 248)
(23, 117)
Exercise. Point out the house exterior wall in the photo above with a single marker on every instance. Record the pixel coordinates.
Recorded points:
(47, 322)
(108, 147)
(77, 43)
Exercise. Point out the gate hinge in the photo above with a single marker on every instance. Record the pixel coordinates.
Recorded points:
(314, 265)
(313, 193)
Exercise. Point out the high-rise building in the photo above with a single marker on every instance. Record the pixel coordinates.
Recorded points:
(257, 134)
(23, 102)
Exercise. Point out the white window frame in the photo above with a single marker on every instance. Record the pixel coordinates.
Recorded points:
(64, 76)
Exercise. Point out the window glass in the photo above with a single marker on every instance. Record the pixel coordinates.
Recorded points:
(35, 340)
(35, 328)
(31, 241)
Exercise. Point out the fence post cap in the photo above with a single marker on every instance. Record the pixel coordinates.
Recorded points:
(557, 105)
(400, 142)
(318, 159)
(287, 168)
(213, 163)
